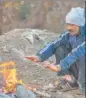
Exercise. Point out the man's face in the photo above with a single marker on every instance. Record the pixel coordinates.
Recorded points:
(73, 29)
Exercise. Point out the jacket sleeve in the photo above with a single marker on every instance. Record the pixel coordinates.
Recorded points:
(73, 56)
(50, 48)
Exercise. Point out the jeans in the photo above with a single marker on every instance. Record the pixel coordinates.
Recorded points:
(2, 95)
(1, 59)
(21, 92)
(77, 69)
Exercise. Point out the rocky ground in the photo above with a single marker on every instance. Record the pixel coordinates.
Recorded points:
(17, 44)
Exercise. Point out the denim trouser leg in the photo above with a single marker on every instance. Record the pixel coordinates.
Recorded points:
(1, 59)
(74, 69)
(81, 79)
(77, 69)
(2, 95)
(61, 53)
(21, 92)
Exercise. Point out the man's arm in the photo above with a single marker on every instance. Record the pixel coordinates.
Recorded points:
(50, 48)
(69, 60)
(73, 56)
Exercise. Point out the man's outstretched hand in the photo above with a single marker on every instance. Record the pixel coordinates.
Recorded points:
(33, 58)
(51, 66)
(46, 64)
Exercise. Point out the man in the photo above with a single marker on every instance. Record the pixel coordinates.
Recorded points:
(61, 47)
(66, 63)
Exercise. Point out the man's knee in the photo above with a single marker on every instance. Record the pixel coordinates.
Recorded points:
(61, 53)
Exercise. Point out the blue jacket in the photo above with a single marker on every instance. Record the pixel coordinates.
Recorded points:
(64, 39)
(73, 56)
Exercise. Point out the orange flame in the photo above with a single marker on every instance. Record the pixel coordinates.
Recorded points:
(10, 76)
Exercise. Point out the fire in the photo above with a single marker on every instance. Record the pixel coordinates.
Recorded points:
(10, 76)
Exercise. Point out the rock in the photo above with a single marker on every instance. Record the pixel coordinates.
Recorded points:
(15, 46)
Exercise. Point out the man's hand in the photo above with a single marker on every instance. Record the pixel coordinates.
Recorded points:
(55, 68)
(33, 58)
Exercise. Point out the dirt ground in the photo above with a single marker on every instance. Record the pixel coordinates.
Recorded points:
(17, 44)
